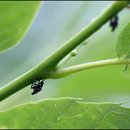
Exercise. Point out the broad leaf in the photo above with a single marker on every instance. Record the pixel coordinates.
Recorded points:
(66, 113)
(123, 43)
(15, 19)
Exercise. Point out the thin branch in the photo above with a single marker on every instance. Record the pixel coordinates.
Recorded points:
(67, 58)
(71, 54)
(63, 72)
(42, 69)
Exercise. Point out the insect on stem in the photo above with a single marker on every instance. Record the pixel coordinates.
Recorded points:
(37, 86)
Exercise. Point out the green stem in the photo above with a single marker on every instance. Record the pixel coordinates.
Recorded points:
(42, 69)
(67, 58)
(60, 73)
(70, 55)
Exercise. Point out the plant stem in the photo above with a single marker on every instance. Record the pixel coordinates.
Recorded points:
(70, 55)
(67, 58)
(42, 69)
(63, 72)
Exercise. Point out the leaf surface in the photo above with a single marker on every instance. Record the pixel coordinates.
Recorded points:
(66, 113)
(123, 43)
(15, 20)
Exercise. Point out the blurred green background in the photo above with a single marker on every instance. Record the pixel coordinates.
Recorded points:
(55, 24)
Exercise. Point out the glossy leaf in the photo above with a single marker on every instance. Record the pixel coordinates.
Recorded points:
(15, 19)
(66, 113)
(123, 43)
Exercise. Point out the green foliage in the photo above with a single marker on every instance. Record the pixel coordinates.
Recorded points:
(123, 43)
(66, 113)
(16, 18)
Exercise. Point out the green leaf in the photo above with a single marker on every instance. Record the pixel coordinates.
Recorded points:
(15, 19)
(66, 113)
(123, 43)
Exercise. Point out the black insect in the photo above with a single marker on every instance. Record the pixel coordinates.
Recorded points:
(37, 86)
(114, 22)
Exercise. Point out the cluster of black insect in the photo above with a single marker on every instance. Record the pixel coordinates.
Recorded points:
(37, 86)
(114, 22)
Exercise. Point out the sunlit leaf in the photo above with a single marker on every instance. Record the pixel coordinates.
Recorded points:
(15, 19)
(123, 43)
(66, 113)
